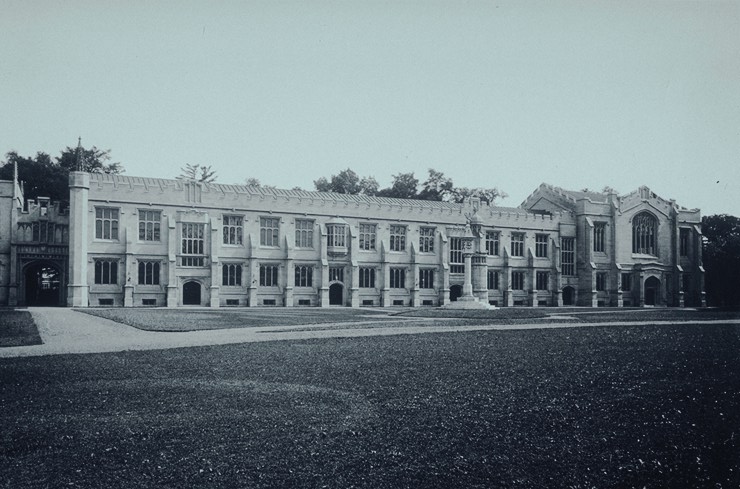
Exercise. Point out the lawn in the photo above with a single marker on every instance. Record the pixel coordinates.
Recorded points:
(203, 319)
(224, 318)
(647, 406)
(17, 329)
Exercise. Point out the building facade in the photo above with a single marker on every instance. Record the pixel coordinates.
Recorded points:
(135, 241)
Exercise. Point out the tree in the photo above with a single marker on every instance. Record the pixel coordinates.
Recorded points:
(369, 186)
(347, 182)
(404, 187)
(91, 160)
(488, 195)
(436, 187)
(42, 176)
(200, 173)
(721, 258)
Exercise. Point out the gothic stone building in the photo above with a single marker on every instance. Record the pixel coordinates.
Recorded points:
(135, 241)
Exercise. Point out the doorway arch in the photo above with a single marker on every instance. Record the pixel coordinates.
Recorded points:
(191, 292)
(455, 292)
(569, 296)
(43, 284)
(652, 291)
(336, 294)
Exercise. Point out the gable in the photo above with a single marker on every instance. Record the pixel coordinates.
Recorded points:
(543, 203)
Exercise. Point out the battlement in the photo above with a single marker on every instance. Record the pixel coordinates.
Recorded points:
(179, 192)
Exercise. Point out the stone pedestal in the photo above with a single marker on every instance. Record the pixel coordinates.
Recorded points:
(467, 300)
(128, 296)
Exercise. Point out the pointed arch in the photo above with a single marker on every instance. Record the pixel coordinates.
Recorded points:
(645, 234)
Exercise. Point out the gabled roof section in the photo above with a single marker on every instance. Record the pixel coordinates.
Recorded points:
(644, 194)
(547, 194)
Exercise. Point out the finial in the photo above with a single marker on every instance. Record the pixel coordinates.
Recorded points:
(78, 163)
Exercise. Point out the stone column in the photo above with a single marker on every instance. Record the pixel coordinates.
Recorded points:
(324, 291)
(508, 292)
(130, 267)
(254, 276)
(354, 273)
(467, 290)
(172, 288)
(385, 277)
(289, 282)
(415, 300)
(215, 300)
(77, 290)
(480, 278)
(444, 269)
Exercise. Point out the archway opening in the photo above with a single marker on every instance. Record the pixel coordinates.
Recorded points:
(336, 294)
(652, 291)
(569, 296)
(455, 292)
(42, 285)
(191, 293)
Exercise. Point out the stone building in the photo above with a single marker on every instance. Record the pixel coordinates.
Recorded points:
(136, 241)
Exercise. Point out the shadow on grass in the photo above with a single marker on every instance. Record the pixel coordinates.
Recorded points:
(18, 329)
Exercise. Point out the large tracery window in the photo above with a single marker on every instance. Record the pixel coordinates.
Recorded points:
(644, 233)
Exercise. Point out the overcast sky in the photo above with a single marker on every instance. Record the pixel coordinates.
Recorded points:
(506, 94)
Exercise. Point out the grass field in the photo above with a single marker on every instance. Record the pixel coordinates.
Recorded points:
(203, 319)
(647, 406)
(151, 319)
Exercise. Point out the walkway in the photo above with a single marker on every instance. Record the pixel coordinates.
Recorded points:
(65, 331)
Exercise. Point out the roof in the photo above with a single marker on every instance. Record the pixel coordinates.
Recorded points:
(580, 194)
(178, 184)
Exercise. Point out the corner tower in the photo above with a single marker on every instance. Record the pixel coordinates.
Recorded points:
(79, 186)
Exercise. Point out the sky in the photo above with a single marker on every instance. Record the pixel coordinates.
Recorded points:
(492, 93)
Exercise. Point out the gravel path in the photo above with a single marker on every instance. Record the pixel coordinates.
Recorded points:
(66, 331)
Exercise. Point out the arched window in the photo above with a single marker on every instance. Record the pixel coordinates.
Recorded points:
(644, 234)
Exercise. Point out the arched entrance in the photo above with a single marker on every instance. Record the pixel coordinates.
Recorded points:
(336, 294)
(569, 296)
(191, 293)
(43, 285)
(652, 291)
(455, 292)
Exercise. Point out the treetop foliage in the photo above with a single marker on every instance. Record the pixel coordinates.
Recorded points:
(45, 176)
(406, 186)
(200, 173)
(721, 257)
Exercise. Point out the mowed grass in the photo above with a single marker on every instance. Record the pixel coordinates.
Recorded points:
(647, 406)
(204, 319)
(17, 329)
(224, 318)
